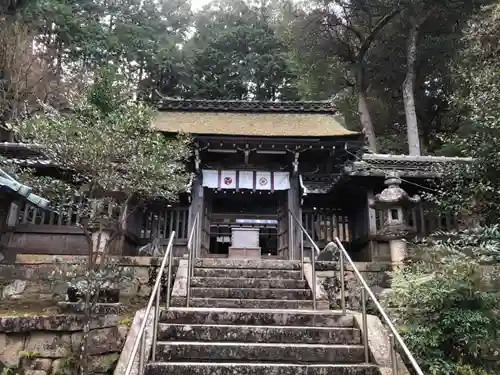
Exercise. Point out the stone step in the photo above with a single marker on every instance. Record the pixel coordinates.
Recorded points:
(196, 368)
(250, 303)
(264, 334)
(252, 293)
(218, 282)
(260, 352)
(97, 309)
(248, 264)
(224, 316)
(247, 273)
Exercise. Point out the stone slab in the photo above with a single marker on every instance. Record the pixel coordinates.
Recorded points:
(75, 259)
(49, 345)
(247, 264)
(247, 273)
(132, 336)
(189, 368)
(10, 346)
(244, 253)
(379, 344)
(97, 309)
(262, 334)
(252, 293)
(66, 323)
(252, 317)
(361, 266)
(250, 303)
(321, 294)
(180, 284)
(282, 353)
(226, 282)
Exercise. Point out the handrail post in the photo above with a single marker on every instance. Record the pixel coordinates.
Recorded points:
(155, 324)
(364, 318)
(188, 280)
(394, 360)
(169, 278)
(140, 341)
(142, 352)
(313, 263)
(291, 241)
(342, 282)
(394, 337)
(301, 255)
(193, 243)
(196, 248)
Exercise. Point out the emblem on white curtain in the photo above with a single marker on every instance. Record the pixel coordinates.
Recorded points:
(251, 180)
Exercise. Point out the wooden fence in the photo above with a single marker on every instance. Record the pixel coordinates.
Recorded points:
(326, 224)
(49, 232)
(70, 216)
(160, 223)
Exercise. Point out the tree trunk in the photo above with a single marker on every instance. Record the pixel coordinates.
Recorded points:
(409, 90)
(363, 109)
(366, 120)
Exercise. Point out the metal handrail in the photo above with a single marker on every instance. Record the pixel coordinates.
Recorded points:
(293, 219)
(193, 239)
(393, 337)
(140, 341)
(366, 289)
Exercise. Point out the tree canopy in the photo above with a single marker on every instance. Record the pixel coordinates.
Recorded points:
(387, 65)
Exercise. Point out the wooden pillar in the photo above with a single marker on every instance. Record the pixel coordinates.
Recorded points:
(294, 207)
(371, 225)
(9, 218)
(196, 208)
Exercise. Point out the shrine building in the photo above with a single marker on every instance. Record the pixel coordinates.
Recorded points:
(254, 166)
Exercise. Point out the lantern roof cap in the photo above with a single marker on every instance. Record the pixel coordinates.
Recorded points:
(393, 195)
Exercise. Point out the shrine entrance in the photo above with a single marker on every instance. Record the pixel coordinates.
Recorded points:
(246, 222)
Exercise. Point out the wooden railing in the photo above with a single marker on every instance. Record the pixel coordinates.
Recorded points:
(69, 216)
(157, 223)
(160, 223)
(326, 224)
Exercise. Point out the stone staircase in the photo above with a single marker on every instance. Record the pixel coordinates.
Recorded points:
(255, 318)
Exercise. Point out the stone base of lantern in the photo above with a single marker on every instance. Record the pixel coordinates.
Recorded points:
(398, 252)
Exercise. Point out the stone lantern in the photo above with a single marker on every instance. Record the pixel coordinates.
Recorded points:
(392, 202)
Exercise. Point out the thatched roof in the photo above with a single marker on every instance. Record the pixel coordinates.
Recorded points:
(244, 118)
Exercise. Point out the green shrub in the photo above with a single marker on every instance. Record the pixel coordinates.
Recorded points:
(445, 301)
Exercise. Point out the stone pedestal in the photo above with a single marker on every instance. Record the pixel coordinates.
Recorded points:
(398, 251)
(244, 244)
(244, 253)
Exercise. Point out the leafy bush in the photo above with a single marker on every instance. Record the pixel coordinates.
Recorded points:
(445, 302)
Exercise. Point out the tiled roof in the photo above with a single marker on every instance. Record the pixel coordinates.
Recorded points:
(312, 184)
(245, 118)
(8, 183)
(404, 165)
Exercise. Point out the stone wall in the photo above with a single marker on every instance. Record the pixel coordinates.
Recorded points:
(28, 277)
(376, 275)
(49, 345)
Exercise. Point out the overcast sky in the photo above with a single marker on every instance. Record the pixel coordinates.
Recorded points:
(197, 4)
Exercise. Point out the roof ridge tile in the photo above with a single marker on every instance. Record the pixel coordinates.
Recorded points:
(247, 106)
